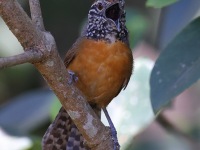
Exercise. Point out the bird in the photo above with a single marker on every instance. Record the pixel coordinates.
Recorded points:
(100, 64)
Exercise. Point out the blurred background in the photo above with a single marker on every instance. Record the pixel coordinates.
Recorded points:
(28, 106)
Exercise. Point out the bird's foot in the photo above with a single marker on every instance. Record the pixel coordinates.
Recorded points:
(113, 130)
(114, 138)
(73, 77)
(113, 133)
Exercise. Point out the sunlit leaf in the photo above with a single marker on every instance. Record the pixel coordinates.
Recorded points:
(159, 3)
(36, 145)
(178, 66)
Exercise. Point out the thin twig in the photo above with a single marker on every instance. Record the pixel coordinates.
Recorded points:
(36, 14)
(31, 56)
(20, 24)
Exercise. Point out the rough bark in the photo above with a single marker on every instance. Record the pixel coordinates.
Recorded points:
(31, 35)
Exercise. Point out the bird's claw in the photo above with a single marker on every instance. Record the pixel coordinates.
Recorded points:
(73, 77)
(112, 130)
(114, 138)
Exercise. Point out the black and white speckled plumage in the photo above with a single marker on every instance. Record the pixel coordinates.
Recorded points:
(62, 134)
(99, 26)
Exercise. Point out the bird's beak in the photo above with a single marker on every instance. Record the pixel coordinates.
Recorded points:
(112, 12)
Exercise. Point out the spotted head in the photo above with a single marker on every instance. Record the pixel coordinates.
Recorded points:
(106, 21)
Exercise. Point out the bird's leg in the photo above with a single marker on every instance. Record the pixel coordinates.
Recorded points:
(73, 77)
(113, 130)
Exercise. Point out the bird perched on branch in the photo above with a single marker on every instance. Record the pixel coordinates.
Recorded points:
(100, 63)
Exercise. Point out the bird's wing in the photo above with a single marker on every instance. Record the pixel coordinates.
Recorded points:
(71, 53)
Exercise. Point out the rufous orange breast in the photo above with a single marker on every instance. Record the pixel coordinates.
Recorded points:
(102, 68)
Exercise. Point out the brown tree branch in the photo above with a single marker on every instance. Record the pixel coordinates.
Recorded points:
(36, 14)
(54, 72)
(31, 56)
(20, 24)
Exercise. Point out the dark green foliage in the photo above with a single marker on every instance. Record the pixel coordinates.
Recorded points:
(178, 66)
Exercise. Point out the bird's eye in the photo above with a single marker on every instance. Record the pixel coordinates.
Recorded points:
(113, 12)
(100, 6)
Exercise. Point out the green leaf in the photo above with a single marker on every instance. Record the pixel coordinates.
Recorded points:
(159, 3)
(178, 66)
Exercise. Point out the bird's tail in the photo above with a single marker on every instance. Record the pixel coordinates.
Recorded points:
(63, 134)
